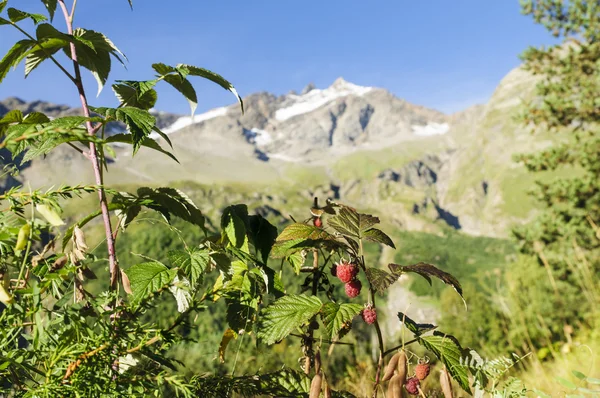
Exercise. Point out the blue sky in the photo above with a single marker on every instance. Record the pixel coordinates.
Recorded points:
(444, 54)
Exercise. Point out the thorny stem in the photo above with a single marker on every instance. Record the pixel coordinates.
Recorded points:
(388, 352)
(377, 327)
(310, 331)
(93, 155)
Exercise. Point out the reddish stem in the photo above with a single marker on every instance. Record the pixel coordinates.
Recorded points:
(93, 155)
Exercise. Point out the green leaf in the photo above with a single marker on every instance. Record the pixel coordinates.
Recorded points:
(17, 15)
(417, 328)
(578, 374)
(378, 236)
(146, 142)
(139, 94)
(139, 122)
(41, 52)
(93, 53)
(285, 315)
(193, 263)
(567, 383)
(213, 77)
(263, 236)
(380, 279)
(233, 223)
(447, 349)
(426, 271)
(335, 316)
(350, 223)
(169, 201)
(185, 88)
(147, 278)
(3, 4)
(303, 231)
(14, 56)
(50, 6)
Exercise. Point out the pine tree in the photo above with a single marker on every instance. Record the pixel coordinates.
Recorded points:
(565, 237)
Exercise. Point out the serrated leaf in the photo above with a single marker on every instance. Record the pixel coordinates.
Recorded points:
(94, 51)
(303, 231)
(13, 56)
(185, 88)
(233, 222)
(285, 315)
(147, 278)
(350, 223)
(426, 271)
(146, 142)
(378, 236)
(17, 15)
(380, 279)
(213, 77)
(449, 352)
(193, 263)
(50, 6)
(263, 235)
(41, 52)
(416, 328)
(241, 314)
(181, 291)
(335, 316)
(139, 94)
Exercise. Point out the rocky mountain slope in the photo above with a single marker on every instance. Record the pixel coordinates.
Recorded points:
(426, 170)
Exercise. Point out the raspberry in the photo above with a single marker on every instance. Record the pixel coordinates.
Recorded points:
(412, 386)
(422, 371)
(346, 272)
(317, 222)
(334, 270)
(353, 288)
(369, 315)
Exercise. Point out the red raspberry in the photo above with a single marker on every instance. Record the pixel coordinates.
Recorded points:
(346, 272)
(422, 371)
(369, 315)
(317, 222)
(412, 386)
(352, 288)
(334, 270)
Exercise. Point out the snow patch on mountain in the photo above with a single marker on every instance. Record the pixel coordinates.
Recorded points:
(315, 98)
(189, 120)
(431, 129)
(258, 137)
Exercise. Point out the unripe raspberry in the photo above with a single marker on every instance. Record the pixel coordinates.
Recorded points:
(352, 288)
(369, 315)
(422, 371)
(412, 386)
(346, 271)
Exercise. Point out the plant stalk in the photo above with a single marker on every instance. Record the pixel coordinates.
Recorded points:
(376, 324)
(93, 155)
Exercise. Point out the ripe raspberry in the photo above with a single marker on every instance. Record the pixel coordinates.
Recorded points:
(334, 270)
(369, 315)
(422, 371)
(412, 386)
(317, 222)
(346, 272)
(352, 288)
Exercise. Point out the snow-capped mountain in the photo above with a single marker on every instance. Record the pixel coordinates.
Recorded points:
(316, 126)
(360, 144)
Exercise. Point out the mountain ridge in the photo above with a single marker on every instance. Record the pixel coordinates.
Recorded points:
(376, 149)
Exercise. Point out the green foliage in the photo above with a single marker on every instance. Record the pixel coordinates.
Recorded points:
(285, 315)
